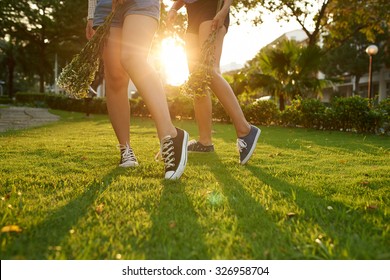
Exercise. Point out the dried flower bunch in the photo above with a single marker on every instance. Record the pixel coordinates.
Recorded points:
(199, 81)
(198, 84)
(77, 76)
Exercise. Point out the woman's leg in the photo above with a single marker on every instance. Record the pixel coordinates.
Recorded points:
(116, 80)
(220, 86)
(202, 105)
(137, 35)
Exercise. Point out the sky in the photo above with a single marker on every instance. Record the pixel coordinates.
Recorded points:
(242, 43)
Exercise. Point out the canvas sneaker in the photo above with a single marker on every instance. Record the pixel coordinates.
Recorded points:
(128, 158)
(174, 154)
(196, 146)
(247, 144)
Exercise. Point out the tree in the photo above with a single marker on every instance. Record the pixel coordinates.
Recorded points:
(351, 59)
(43, 28)
(312, 17)
(347, 18)
(287, 71)
(341, 18)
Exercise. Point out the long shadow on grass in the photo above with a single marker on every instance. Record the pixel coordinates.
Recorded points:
(334, 141)
(355, 237)
(175, 233)
(255, 228)
(42, 240)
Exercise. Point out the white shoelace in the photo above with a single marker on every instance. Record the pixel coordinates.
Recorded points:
(167, 152)
(127, 153)
(241, 144)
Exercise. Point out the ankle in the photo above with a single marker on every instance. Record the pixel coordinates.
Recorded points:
(242, 132)
(205, 142)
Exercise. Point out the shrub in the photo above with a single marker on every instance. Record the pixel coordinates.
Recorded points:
(181, 106)
(219, 112)
(262, 112)
(5, 100)
(351, 113)
(292, 115)
(313, 113)
(31, 98)
(384, 110)
(138, 107)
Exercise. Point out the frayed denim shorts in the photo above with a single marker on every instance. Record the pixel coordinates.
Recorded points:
(130, 7)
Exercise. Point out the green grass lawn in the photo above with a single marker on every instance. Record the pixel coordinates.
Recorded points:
(305, 194)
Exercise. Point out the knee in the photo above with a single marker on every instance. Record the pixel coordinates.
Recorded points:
(216, 72)
(116, 82)
(131, 62)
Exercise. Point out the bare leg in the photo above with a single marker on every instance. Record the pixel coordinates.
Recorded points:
(220, 86)
(202, 105)
(137, 35)
(116, 88)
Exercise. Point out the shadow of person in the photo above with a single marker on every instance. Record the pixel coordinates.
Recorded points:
(40, 240)
(175, 232)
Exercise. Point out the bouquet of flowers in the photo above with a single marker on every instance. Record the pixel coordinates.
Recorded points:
(199, 81)
(77, 76)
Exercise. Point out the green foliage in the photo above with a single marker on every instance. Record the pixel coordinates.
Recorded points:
(181, 107)
(345, 114)
(384, 106)
(308, 113)
(314, 194)
(288, 70)
(351, 113)
(313, 111)
(292, 115)
(262, 113)
(5, 100)
(384, 110)
(39, 31)
(87, 105)
(219, 113)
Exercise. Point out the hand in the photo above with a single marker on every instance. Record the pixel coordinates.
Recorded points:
(218, 20)
(89, 31)
(171, 18)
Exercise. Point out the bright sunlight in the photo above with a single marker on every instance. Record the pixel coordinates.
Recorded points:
(174, 61)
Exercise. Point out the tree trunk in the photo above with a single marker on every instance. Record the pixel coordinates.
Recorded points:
(357, 81)
(10, 82)
(281, 102)
(41, 82)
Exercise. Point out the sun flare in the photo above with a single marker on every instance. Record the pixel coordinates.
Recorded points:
(174, 61)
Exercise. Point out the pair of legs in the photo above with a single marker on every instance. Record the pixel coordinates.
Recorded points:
(220, 87)
(125, 55)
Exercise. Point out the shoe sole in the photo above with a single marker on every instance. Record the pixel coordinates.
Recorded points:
(253, 148)
(128, 164)
(200, 152)
(183, 161)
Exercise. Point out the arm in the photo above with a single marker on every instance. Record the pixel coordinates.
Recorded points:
(89, 32)
(172, 13)
(221, 15)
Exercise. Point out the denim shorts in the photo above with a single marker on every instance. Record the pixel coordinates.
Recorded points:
(130, 7)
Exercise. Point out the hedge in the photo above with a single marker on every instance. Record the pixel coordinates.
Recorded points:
(343, 114)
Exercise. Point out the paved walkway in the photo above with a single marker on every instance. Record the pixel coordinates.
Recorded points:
(12, 118)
